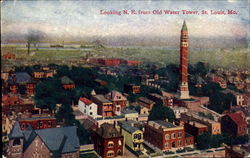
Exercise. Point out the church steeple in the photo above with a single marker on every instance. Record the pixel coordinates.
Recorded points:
(184, 26)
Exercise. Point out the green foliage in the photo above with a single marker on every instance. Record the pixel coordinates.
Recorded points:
(206, 140)
(220, 102)
(48, 93)
(160, 112)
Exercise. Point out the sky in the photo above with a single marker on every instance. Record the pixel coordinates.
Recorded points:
(79, 19)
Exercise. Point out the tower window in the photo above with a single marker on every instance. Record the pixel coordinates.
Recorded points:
(16, 142)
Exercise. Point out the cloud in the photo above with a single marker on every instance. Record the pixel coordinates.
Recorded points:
(81, 18)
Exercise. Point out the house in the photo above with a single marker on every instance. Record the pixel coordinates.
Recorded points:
(87, 107)
(105, 106)
(14, 103)
(244, 111)
(132, 62)
(165, 101)
(195, 129)
(241, 98)
(145, 102)
(9, 55)
(41, 122)
(46, 143)
(217, 79)
(108, 142)
(167, 136)
(67, 83)
(133, 136)
(21, 82)
(214, 127)
(130, 114)
(119, 101)
(178, 110)
(43, 73)
(234, 124)
(136, 89)
(100, 82)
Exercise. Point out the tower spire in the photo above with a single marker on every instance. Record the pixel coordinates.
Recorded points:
(184, 26)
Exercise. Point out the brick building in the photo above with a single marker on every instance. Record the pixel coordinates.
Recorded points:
(167, 136)
(67, 83)
(132, 88)
(214, 127)
(108, 142)
(37, 122)
(195, 128)
(145, 102)
(105, 106)
(234, 124)
(119, 101)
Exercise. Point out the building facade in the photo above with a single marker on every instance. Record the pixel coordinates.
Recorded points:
(167, 136)
(108, 142)
(234, 124)
(87, 107)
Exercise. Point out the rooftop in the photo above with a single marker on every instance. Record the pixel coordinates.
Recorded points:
(146, 100)
(160, 123)
(101, 98)
(85, 100)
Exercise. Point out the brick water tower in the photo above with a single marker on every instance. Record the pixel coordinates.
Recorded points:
(184, 92)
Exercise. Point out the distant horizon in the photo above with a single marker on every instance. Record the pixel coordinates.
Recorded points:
(81, 20)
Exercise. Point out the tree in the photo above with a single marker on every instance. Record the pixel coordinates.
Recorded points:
(48, 93)
(160, 112)
(204, 141)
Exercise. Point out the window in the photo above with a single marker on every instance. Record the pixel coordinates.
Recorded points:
(139, 136)
(90, 113)
(119, 142)
(166, 145)
(173, 136)
(179, 142)
(49, 123)
(110, 153)
(119, 152)
(40, 124)
(90, 108)
(16, 142)
(110, 144)
(135, 136)
(179, 134)
(167, 136)
(23, 125)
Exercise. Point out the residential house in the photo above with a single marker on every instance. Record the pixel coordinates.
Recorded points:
(241, 98)
(67, 83)
(244, 111)
(214, 127)
(119, 101)
(136, 89)
(21, 82)
(178, 110)
(217, 79)
(105, 106)
(145, 102)
(167, 136)
(41, 122)
(46, 143)
(108, 142)
(88, 107)
(159, 99)
(14, 103)
(133, 136)
(234, 124)
(195, 129)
